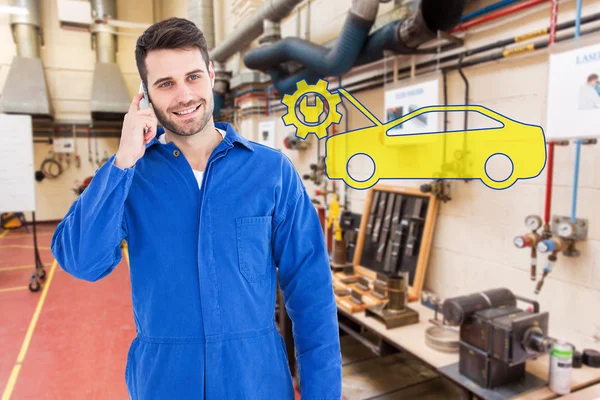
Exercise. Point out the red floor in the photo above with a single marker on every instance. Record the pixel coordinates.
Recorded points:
(80, 339)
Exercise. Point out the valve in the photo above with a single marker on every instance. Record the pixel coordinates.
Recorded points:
(552, 245)
(527, 240)
(439, 188)
(530, 240)
(292, 142)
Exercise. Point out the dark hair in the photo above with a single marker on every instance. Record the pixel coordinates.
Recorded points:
(172, 33)
(592, 77)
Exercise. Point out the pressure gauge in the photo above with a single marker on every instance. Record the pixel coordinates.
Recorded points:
(566, 229)
(546, 246)
(533, 222)
(519, 241)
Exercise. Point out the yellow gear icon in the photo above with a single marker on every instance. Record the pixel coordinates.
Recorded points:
(312, 113)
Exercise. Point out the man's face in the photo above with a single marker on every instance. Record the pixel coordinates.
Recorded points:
(180, 89)
(594, 82)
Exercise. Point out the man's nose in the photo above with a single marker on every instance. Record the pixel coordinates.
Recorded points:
(184, 94)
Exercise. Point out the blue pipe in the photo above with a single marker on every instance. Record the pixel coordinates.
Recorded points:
(487, 9)
(578, 19)
(575, 181)
(325, 62)
(219, 102)
(577, 142)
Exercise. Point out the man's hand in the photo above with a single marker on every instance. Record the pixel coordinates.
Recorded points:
(133, 139)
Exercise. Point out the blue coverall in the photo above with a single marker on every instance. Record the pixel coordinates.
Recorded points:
(203, 268)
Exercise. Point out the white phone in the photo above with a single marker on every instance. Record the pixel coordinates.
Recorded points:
(145, 101)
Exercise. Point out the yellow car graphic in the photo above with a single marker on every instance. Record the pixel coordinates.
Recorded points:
(437, 155)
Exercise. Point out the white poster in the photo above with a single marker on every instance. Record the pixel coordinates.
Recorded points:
(266, 133)
(574, 94)
(404, 100)
(17, 175)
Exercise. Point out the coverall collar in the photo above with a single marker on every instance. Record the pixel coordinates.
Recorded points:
(231, 137)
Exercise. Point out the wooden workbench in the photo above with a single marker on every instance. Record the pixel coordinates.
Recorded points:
(411, 339)
(589, 393)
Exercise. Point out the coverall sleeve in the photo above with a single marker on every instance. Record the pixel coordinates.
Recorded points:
(304, 274)
(87, 242)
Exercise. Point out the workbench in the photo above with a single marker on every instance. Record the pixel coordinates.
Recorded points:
(411, 339)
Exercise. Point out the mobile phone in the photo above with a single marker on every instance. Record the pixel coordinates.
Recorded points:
(145, 101)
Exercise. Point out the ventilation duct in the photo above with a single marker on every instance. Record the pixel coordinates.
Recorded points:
(272, 10)
(402, 36)
(110, 97)
(201, 13)
(25, 90)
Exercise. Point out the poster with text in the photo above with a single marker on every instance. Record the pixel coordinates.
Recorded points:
(404, 100)
(574, 94)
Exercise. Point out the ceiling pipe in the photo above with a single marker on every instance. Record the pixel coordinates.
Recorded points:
(272, 10)
(202, 14)
(110, 97)
(25, 90)
(403, 36)
(323, 61)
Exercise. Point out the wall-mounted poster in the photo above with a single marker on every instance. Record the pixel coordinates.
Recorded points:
(574, 94)
(400, 101)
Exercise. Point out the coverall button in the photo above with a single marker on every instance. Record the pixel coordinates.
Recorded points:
(176, 153)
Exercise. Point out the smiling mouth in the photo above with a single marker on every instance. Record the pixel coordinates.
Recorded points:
(187, 111)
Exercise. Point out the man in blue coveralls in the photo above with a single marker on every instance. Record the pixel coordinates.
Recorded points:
(209, 218)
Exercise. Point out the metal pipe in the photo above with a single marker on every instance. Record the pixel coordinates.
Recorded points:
(27, 40)
(577, 142)
(549, 175)
(274, 11)
(487, 9)
(105, 44)
(379, 80)
(578, 19)
(497, 14)
(553, 20)
(575, 181)
(201, 13)
(323, 61)
(26, 28)
(104, 38)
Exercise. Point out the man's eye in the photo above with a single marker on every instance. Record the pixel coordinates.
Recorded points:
(194, 76)
(166, 83)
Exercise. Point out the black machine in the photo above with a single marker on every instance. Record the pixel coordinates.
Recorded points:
(496, 337)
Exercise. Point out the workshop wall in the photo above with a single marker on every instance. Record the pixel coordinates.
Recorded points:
(473, 248)
(69, 65)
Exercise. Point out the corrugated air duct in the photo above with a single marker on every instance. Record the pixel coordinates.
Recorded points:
(402, 36)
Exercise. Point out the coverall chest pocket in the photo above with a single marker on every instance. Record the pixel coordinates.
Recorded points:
(254, 247)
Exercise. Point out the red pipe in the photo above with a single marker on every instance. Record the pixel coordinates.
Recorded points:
(553, 17)
(497, 14)
(550, 161)
(267, 103)
(549, 173)
(250, 95)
